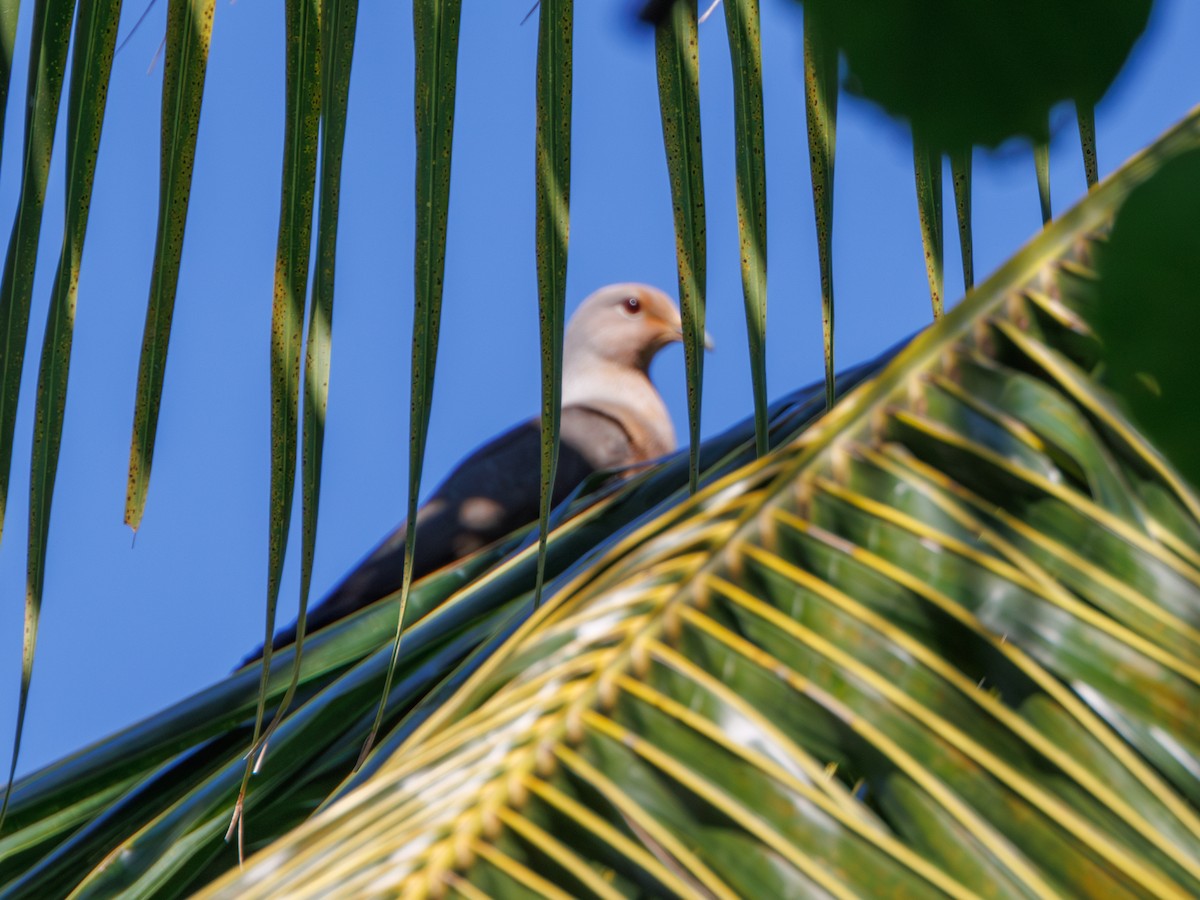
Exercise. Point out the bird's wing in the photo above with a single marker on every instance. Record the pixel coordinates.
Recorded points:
(491, 493)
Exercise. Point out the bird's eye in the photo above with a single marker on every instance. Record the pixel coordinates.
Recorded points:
(632, 305)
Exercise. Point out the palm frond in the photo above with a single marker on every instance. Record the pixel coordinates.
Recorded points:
(140, 788)
(940, 642)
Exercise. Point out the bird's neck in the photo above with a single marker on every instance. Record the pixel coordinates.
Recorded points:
(626, 394)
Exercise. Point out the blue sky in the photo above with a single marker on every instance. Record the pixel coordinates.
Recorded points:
(130, 627)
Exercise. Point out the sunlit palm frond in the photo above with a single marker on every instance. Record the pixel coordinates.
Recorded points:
(166, 786)
(945, 641)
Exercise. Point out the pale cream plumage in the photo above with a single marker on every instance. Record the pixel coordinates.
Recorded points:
(607, 350)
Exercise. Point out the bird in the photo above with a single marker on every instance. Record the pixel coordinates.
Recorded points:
(613, 419)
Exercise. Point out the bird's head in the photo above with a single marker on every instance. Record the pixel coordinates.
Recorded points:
(626, 324)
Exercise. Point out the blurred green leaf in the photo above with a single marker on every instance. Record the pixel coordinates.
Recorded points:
(1041, 166)
(978, 73)
(927, 166)
(1086, 114)
(8, 34)
(1148, 313)
(960, 172)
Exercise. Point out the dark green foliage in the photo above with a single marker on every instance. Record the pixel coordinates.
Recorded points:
(1149, 309)
(980, 72)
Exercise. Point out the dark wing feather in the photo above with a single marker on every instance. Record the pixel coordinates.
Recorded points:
(491, 493)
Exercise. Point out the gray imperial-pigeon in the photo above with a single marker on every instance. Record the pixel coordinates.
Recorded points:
(612, 418)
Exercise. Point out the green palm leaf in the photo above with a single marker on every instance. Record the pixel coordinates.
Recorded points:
(677, 57)
(161, 786)
(938, 643)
